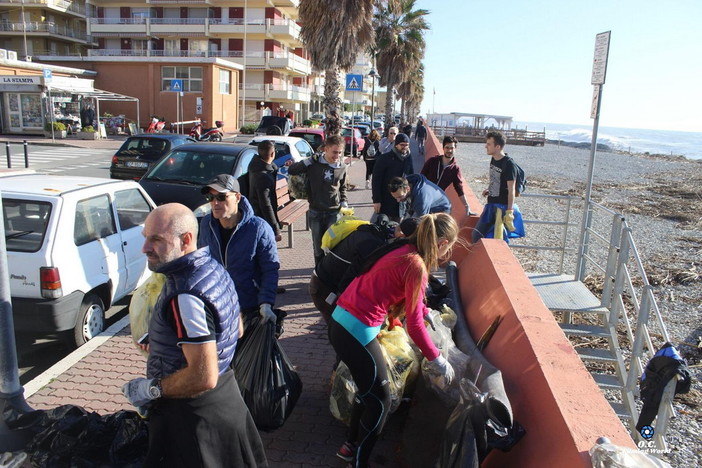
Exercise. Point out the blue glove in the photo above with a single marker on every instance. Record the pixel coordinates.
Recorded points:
(267, 313)
(139, 391)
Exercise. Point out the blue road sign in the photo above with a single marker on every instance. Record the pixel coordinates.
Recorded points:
(176, 85)
(354, 82)
(47, 73)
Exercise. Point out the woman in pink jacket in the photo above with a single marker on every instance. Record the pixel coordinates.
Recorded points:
(398, 277)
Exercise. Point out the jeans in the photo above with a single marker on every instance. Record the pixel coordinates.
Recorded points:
(319, 222)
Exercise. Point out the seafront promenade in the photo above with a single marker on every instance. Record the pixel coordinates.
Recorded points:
(92, 376)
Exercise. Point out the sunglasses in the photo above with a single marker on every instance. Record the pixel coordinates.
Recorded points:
(220, 197)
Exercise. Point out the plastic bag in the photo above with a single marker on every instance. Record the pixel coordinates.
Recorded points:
(402, 365)
(401, 362)
(142, 304)
(71, 436)
(607, 455)
(342, 394)
(268, 382)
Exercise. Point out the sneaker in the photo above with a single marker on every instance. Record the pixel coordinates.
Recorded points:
(367, 184)
(347, 451)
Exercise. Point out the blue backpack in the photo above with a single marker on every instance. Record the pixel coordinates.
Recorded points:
(520, 181)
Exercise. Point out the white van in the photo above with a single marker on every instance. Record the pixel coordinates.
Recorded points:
(73, 250)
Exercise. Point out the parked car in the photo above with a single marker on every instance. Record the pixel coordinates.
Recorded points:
(379, 126)
(179, 176)
(139, 152)
(365, 129)
(73, 250)
(267, 123)
(286, 148)
(314, 136)
(318, 116)
(358, 142)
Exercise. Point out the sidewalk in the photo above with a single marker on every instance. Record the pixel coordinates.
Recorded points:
(92, 376)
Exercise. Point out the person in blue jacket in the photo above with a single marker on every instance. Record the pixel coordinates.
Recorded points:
(417, 196)
(244, 243)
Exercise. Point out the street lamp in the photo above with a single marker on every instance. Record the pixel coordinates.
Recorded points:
(372, 73)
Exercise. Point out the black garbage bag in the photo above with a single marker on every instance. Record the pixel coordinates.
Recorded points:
(268, 382)
(71, 436)
(473, 430)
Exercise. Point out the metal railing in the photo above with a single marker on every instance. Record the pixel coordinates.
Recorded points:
(73, 7)
(627, 294)
(43, 27)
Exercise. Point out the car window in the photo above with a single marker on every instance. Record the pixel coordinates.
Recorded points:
(281, 149)
(25, 224)
(244, 160)
(195, 167)
(94, 220)
(304, 148)
(132, 208)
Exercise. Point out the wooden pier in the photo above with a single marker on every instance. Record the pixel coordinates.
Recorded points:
(477, 135)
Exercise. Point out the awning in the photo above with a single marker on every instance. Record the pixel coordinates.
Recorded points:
(98, 95)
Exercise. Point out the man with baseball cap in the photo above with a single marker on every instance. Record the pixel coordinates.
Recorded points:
(395, 163)
(242, 242)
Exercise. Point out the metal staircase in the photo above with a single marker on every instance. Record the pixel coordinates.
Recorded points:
(610, 332)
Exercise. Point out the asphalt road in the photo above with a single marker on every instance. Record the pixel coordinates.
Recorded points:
(35, 354)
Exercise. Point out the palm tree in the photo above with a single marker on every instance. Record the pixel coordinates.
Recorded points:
(334, 32)
(399, 30)
(411, 91)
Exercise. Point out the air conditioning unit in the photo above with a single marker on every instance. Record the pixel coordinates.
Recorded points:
(3, 54)
(11, 55)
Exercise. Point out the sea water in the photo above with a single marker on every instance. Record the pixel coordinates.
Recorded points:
(688, 144)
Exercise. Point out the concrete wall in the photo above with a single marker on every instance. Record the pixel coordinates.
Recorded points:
(551, 393)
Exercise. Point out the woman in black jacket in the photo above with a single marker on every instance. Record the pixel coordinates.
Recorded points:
(369, 153)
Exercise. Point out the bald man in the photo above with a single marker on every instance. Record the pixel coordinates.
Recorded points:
(197, 416)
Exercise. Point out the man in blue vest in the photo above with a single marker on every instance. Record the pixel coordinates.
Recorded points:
(197, 416)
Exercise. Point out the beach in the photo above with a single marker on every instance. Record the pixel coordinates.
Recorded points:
(661, 199)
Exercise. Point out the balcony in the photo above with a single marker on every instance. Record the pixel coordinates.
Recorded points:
(36, 29)
(284, 30)
(254, 60)
(57, 5)
(271, 92)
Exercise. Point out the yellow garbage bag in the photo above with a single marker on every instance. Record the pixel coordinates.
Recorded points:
(142, 304)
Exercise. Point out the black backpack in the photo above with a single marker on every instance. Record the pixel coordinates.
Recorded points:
(520, 181)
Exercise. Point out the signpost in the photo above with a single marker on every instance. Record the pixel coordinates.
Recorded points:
(177, 87)
(353, 83)
(599, 72)
(47, 82)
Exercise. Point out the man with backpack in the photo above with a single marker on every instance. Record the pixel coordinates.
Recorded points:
(500, 211)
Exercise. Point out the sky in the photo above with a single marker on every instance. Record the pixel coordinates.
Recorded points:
(532, 60)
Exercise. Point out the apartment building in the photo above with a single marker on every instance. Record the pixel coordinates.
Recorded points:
(44, 27)
(231, 56)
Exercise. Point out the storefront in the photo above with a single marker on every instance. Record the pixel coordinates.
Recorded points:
(22, 104)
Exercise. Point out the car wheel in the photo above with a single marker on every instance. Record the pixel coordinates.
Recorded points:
(91, 320)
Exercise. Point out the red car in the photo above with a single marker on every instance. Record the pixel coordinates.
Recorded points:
(358, 142)
(313, 136)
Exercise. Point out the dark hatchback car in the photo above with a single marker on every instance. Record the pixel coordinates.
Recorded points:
(179, 176)
(139, 152)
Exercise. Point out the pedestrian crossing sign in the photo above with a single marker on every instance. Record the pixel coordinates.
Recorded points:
(354, 82)
(176, 85)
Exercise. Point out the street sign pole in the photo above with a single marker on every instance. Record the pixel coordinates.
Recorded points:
(599, 72)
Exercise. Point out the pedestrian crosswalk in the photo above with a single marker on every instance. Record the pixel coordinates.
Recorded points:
(58, 159)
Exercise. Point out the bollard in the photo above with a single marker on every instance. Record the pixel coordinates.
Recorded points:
(26, 155)
(7, 150)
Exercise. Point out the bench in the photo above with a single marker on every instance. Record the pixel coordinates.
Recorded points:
(289, 209)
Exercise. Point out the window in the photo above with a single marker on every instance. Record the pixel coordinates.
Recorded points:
(225, 77)
(304, 148)
(191, 76)
(25, 224)
(94, 220)
(132, 208)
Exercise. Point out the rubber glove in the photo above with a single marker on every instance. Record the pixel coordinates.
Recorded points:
(138, 391)
(267, 313)
(441, 366)
(432, 317)
(508, 220)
